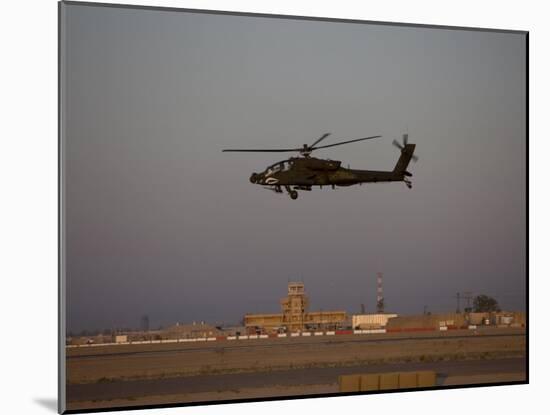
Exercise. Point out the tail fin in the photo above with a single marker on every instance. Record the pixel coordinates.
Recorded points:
(405, 158)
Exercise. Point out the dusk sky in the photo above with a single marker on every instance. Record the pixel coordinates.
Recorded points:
(161, 222)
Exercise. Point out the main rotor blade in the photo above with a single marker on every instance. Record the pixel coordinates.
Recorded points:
(320, 139)
(346, 142)
(280, 150)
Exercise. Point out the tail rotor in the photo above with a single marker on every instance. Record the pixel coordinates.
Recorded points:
(402, 146)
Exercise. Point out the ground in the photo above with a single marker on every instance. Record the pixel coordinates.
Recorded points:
(149, 374)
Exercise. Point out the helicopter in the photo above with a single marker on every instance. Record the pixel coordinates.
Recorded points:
(304, 172)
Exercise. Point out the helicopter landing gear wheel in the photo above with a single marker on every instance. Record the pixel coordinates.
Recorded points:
(292, 193)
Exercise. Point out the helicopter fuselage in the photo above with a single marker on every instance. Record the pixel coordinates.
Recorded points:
(301, 173)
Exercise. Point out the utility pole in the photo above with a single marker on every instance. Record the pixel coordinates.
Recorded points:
(467, 295)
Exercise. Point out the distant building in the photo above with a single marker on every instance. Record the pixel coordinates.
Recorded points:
(431, 321)
(371, 321)
(295, 315)
(190, 331)
(121, 338)
(233, 330)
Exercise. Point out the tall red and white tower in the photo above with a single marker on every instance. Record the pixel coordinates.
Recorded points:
(379, 294)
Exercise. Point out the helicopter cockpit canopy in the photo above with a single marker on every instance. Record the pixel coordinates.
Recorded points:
(279, 166)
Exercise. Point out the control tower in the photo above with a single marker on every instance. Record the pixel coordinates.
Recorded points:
(294, 306)
(295, 316)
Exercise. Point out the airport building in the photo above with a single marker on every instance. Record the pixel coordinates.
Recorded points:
(295, 315)
(371, 321)
(190, 331)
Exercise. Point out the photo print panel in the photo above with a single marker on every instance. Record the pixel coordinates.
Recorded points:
(264, 207)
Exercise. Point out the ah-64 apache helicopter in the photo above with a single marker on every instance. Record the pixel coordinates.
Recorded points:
(302, 173)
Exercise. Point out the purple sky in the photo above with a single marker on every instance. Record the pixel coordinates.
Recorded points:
(161, 222)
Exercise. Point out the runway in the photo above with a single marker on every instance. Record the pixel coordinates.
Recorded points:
(109, 364)
(294, 377)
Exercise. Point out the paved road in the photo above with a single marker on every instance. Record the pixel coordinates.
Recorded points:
(313, 376)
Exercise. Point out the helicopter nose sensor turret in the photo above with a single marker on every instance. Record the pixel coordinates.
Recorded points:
(254, 178)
